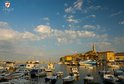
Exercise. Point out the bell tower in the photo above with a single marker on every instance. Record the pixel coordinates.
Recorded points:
(93, 47)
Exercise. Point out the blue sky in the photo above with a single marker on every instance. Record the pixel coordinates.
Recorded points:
(49, 29)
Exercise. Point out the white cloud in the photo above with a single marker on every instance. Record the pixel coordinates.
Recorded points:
(46, 19)
(89, 26)
(122, 22)
(30, 36)
(94, 7)
(43, 29)
(4, 25)
(69, 10)
(91, 16)
(78, 4)
(8, 34)
(117, 13)
(63, 35)
(71, 19)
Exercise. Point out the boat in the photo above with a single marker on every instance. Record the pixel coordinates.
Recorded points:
(110, 78)
(87, 62)
(50, 67)
(68, 79)
(102, 72)
(75, 71)
(51, 79)
(60, 62)
(20, 81)
(59, 74)
(88, 79)
(114, 66)
(37, 73)
(32, 64)
(3, 78)
(15, 75)
(67, 63)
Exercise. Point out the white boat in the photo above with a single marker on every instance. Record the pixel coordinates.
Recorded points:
(59, 74)
(68, 79)
(75, 71)
(60, 62)
(32, 64)
(50, 67)
(87, 62)
(109, 78)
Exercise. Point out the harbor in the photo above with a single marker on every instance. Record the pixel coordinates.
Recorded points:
(37, 73)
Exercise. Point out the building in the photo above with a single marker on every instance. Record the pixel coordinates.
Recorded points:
(119, 57)
(108, 56)
(92, 55)
(67, 58)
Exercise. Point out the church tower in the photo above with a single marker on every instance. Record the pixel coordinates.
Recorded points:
(93, 47)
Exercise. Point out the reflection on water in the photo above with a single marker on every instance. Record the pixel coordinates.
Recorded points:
(82, 70)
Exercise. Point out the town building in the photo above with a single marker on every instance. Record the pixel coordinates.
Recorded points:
(119, 57)
(108, 56)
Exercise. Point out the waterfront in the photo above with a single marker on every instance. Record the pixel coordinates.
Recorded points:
(83, 70)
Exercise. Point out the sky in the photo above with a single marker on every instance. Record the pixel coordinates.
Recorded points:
(49, 29)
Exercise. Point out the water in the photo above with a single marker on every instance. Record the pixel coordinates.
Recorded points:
(82, 70)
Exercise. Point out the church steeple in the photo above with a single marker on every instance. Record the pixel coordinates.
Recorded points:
(94, 48)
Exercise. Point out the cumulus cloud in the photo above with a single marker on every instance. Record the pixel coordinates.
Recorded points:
(63, 35)
(8, 34)
(43, 29)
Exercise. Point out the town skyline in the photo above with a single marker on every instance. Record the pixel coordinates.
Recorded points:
(44, 29)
